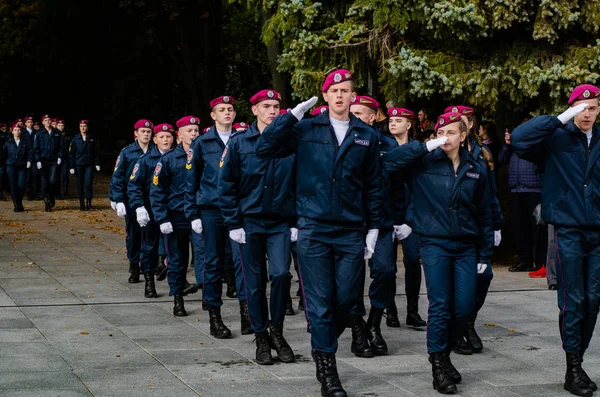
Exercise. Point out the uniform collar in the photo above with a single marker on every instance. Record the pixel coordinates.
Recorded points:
(252, 131)
(573, 129)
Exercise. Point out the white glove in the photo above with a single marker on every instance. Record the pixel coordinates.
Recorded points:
(58, 161)
(436, 143)
(38, 165)
(72, 171)
(238, 235)
(303, 107)
(403, 231)
(113, 205)
(166, 228)
(121, 211)
(98, 168)
(497, 237)
(481, 268)
(571, 112)
(29, 164)
(197, 226)
(370, 242)
(142, 216)
(293, 234)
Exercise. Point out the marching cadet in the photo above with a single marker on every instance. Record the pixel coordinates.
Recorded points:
(338, 192)
(84, 156)
(400, 124)
(167, 197)
(65, 166)
(452, 215)
(257, 203)
(382, 264)
(471, 342)
(138, 193)
(568, 147)
(202, 210)
(4, 138)
(53, 122)
(33, 178)
(17, 155)
(126, 160)
(36, 126)
(48, 153)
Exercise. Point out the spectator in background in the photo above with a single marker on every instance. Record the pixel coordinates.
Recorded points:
(425, 126)
(487, 132)
(381, 123)
(526, 194)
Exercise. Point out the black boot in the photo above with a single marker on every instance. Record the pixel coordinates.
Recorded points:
(301, 303)
(88, 204)
(280, 345)
(289, 307)
(586, 378)
(412, 313)
(441, 380)
(47, 206)
(20, 207)
(217, 328)
(462, 347)
(134, 270)
(327, 375)
(263, 349)
(15, 206)
(391, 318)
(81, 205)
(473, 340)
(231, 291)
(149, 289)
(244, 319)
(178, 308)
(574, 382)
(52, 202)
(189, 289)
(378, 344)
(360, 344)
(161, 269)
(452, 371)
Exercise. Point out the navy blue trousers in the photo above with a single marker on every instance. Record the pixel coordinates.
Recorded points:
(451, 277)
(578, 275)
(48, 175)
(260, 245)
(85, 180)
(198, 245)
(240, 284)
(16, 178)
(149, 248)
(133, 237)
(178, 252)
(216, 239)
(332, 269)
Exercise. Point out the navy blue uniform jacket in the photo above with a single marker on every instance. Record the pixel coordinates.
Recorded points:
(83, 153)
(447, 205)
(138, 187)
(16, 156)
(497, 217)
(123, 168)
(48, 146)
(571, 184)
(203, 174)
(167, 191)
(335, 185)
(252, 187)
(394, 197)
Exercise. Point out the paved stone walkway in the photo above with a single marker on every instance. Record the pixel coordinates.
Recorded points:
(71, 325)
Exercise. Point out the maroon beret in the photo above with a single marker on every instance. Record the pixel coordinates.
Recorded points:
(164, 127)
(446, 119)
(54, 120)
(204, 131)
(583, 92)
(84, 121)
(46, 116)
(3, 124)
(27, 118)
(222, 99)
(284, 111)
(60, 121)
(336, 77)
(265, 95)
(143, 124)
(401, 112)
(365, 101)
(463, 110)
(13, 125)
(240, 126)
(18, 120)
(318, 110)
(187, 120)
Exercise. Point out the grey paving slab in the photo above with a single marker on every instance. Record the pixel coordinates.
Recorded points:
(44, 392)
(47, 379)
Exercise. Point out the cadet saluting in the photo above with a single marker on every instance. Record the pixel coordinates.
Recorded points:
(338, 192)
(167, 195)
(453, 217)
(257, 202)
(84, 156)
(569, 150)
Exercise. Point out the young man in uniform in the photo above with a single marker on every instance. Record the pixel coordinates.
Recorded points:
(567, 145)
(167, 196)
(138, 193)
(48, 153)
(126, 160)
(63, 188)
(4, 137)
(33, 178)
(84, 157)
(338, 192)
(257, 203)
